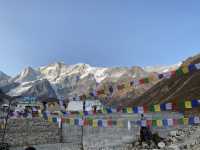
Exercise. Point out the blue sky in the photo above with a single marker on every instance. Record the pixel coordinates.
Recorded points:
(97, 32)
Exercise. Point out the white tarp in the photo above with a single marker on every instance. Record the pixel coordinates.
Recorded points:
(78, 105)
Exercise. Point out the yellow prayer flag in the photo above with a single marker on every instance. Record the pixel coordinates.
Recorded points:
(185, 120)
(103, 110)
(50, 119)
(81, 113)
(185, 70)
(159, 123)
(119, 123)
(95, 123)
(129, 110)
(188, 104)
(2, 126)
(71, 121)
(157, 108)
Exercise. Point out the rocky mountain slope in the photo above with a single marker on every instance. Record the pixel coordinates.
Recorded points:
(175, 89)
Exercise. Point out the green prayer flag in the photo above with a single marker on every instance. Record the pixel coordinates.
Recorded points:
(181, 104)
(181, 121)
(146, 80)
(151, 108)
(154, 123)
(179, 72)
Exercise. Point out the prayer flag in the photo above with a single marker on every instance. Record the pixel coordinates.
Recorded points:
(100, 123)
(151, 108)
(143, 123)
(186, 120)
(188, 104)
(192, 68)
(165, 124)
(109, 110)
(197, 66)
(95, 124)
(149, 123)
(140, 110)
(181, 104)
(170, 122)
(85, 122)
(104, 110)
(76, 122)
(179, 72)
(157, 108)
(194, 103)
(181, 121)
(86, 113)
(173, 73)
(80, 122)
(90, 121)
(196, 120)
(105, 124)
(154, 123)
(109, 122)
(162, 106)
(130, 110)
(50, 119)
(159, 123)
(191, 120)
(175, 122)
(167, 75)
(185, 70)
(141, 81)
(119, 123)
(146, 80)
(71, 121)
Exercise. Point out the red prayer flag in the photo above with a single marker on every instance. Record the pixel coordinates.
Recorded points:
(173, 73)
(142, 81)
(109, 123)
(145, 108)
(149, 123)
(85, 122)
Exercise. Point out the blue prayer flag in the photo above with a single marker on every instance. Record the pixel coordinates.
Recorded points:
(54, 120)
(76, 122)
(194, 103)
(100, 123)
(165, 123)
(86, 113)
(191, 120)
(192, 67)
(109, 110)
(162, 107)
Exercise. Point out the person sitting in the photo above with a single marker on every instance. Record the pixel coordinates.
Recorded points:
(30, 148)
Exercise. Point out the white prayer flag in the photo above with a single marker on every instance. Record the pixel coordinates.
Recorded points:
(140, 110)
(170, 122)
(197, 66)
(168, 106)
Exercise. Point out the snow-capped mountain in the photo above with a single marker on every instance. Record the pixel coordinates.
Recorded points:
(66, 81)
(161, 69)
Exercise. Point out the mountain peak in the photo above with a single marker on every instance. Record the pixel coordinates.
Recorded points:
(28, 74)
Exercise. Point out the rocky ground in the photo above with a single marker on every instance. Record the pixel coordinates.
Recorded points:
(187, 138)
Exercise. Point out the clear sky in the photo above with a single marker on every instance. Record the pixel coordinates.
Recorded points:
(97, 32)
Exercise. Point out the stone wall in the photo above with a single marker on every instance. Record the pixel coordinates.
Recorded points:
(35, 131)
